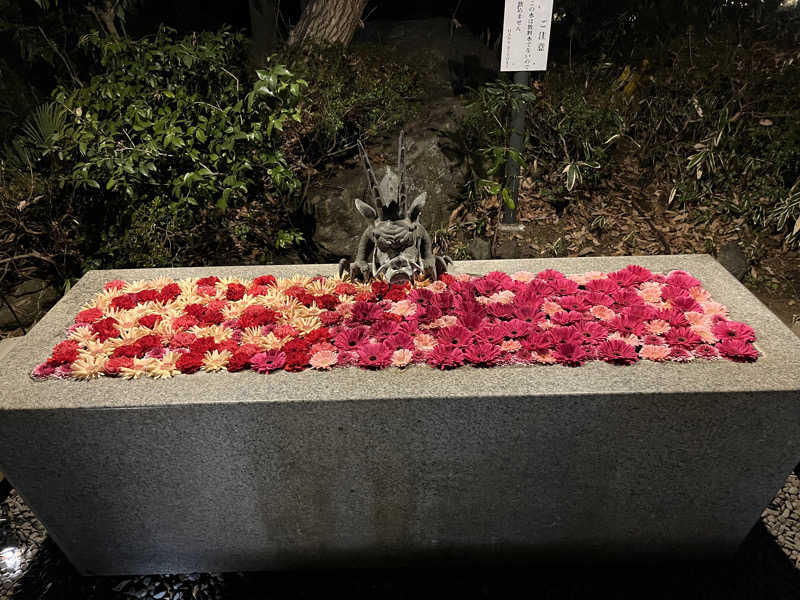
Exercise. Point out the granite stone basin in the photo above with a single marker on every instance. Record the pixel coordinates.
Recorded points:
(228, 472)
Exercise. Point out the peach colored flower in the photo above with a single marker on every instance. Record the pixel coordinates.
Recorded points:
(545, 358)
(628, 339)
(595, 275)
(704, 331)
(424, 342)
(698, 318)
(712, 308)
(510, 346)
(523, 276)
(650, 291)
(503, 297)
(579, 279)
(402, 357)
(602, 312)
(321, 346)
(551, 308)
(545, 324)
(657, 326)
(444, 321)
(215, 360)
(437, 286)
(699, 293)
(463, 277)
(483, 299)
(403, 308)
(656, 353)
(345, 307)
(324, 359)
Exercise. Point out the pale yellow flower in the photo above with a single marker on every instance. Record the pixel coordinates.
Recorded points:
(82, 335)
(503, 297)
(305, 325)
(88, 366)
(164, 368)
(215, 360)
(218, 332)
(403, 308)
(523, 276)
(253, 335)
(321, 287)
(273, 342)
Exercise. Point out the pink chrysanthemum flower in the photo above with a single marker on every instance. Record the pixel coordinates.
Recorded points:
(283, 331)
(699, 293)
(266, 362)
(631, 339)
(454, 336)
(482, 354)
(444, 321)
(545, 357)
(550, 308)
(571, 355)
(523, 276)
(650, 291)
(323, 359)
(437, 287)
(682, 279)
(712, 309)
(564, 335)
(617, 352)
(502, 297)
(424, 342)
(374, 356)
(603, 313)
(737, 350)
(706, 351)
(591, 332)
(657, 327)
(350, 339)
(682, 337)
(653, 340)
(654, 352)
(116, 284)
(320, 346)
(402, 357)
(704, 333)
(679, 354)
(606, 286)
(42, 371)
(403, 308)
(697, 318)
(510, 346)
(733, 330)
(445, 357)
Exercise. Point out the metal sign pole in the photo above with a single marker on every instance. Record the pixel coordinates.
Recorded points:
(516, 143)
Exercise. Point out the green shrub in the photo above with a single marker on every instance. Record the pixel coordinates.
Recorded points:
(167, 143)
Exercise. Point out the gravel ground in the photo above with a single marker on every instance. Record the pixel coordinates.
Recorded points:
(767, 566)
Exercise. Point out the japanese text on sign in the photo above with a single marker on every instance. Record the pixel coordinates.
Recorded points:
(526, 35)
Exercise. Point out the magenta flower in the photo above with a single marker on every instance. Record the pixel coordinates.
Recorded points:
(682, 337)
(537, 341)
(591, 332)
(350, 339)
(737, 350)
(682, 279)
(564, 335)
(482, 354)
(567, 317)
(374, 356)
(365, 312)
(604, 286)
(266, 362)
(383, 330)
(445, 357)
(678, 354)
(456, 335)
(706, 351)
(617, 352)
(494, 334)
(733, 330)
(569, 354)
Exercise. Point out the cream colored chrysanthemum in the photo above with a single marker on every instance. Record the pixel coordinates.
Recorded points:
(136, 286)
(218, 332)
(130, 318)
(160, 282)
(321, 286)
(224, 282)
(273, 342)
(103, 300)
(253, 335)
(140, 367)
(164, 368)
(164, 328)
(98, 348)
(216, 360)
(308, 311)
(131, 334)
(88, 366)
(305, 325)
(363, 288)
(82, 334)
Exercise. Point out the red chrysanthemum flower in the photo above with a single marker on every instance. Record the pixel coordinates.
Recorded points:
(124, 302)
(147, 296)
(88, 316)
(374, 356)
(571, 355)
(182, 339)
(150, 320)
(264, 280)
(64, 353)
(379, 288)
(105, 328)
(191, 362)
(318, 335)
(238, 361)
(365, 313)
(617, 352)
(235, 291)
(208, 281)
(396, 293)
(116, 284)
(383, 329)
(737, 350)
(345, 289)
(296, 345)
(330, 318)
(202, 345)
(114, 364)
(169, 292)
(296, 361)
(184, 322)
(256, 316)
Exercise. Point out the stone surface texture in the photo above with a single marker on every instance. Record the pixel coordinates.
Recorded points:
(228, 472)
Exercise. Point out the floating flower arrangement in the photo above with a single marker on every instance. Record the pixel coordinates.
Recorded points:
(161, 328)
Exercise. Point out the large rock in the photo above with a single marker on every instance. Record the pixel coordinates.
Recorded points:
(29, 301)
(733, 259)
(428, 169)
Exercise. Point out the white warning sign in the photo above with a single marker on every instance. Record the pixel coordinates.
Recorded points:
(526, 35)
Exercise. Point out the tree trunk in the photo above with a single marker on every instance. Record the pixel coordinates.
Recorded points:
(331, 21)
(264, 28)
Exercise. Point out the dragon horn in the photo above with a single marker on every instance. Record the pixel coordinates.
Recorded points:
(401, 169)
(372, 182)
